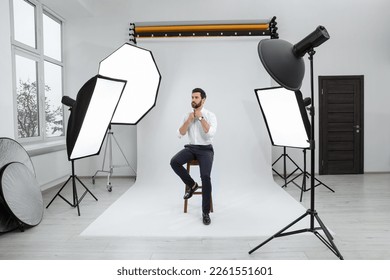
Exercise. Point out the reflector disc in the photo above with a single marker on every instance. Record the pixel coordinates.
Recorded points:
(21, 193)
(11, 151)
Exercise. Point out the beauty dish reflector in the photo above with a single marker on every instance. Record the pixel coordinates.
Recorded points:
(91, 115)
(138, 68)
(21, 193)
(278, 59)
(285, 116)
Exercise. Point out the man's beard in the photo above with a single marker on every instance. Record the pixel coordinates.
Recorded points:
(196, 105)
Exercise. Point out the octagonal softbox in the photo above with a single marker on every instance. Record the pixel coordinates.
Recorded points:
(21, 200)
(137, 66)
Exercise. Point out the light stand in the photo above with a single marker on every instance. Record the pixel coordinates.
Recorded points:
(137, 66)
(76, 200)
(111, 166)
(316, 38)
(90, 116)
(306, 175)
(303, 172)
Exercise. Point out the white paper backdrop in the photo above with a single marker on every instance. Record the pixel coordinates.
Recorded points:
(247, 202)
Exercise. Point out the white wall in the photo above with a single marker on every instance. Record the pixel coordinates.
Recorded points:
(51, 168)
(358, 46)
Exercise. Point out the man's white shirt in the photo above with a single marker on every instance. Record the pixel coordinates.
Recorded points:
(195, 132)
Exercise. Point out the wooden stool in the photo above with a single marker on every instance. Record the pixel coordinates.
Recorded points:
(198, 191)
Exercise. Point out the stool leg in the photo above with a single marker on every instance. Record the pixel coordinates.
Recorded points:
(185, 190)
(185, 205)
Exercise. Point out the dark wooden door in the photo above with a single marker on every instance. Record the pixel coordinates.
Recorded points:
(341, 124)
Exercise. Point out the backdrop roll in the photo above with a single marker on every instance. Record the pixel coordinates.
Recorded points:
(245, 196)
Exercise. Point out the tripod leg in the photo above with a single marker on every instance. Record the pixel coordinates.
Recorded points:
(277, 160)
(86, 188)
(281, 176)
(109, 186)
(111, 165)
(303, 189)
(321, 183)
(329, 243)
(297, 168)
(277, 173)
(285, 167)
(303, 184)
(58, 193)
(123, 155)
(279, 232)
(75, 197)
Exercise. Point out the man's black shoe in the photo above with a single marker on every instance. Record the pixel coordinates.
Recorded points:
(206, 219)
(190, 191)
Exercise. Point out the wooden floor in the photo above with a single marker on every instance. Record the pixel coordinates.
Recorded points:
(358, 213)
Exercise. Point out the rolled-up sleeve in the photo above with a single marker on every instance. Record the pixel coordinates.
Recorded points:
(212, 120)
(179, 135)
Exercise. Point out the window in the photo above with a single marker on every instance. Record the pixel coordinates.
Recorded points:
(26, 97)
(24, 23)
(38, 72)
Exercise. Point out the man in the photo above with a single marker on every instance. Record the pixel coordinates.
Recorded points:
(200, 125)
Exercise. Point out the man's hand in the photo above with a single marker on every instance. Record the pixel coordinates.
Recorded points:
(183, 129)
(197, 113)
(191, 117)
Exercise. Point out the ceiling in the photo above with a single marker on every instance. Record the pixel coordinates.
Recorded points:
(86, 8)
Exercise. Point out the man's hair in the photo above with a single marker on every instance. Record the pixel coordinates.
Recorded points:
(202, 92)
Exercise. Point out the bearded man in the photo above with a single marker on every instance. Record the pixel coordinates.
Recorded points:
(200, 125)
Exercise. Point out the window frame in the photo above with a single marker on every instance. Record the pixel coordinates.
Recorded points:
(37, 54)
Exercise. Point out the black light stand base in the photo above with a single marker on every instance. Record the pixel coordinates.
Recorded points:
(303, 187)
(286, 177)
(76, 201)
(289, 179)
(306, 175)
(328, 241)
